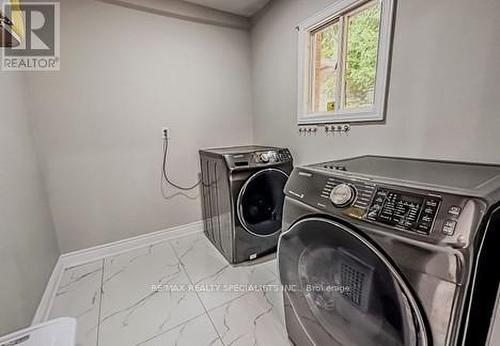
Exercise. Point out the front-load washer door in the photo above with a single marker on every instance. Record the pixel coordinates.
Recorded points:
(343, 290)
(260, 202)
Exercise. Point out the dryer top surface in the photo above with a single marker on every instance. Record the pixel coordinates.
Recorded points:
(478, 179)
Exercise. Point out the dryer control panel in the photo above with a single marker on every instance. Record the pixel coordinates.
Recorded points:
(411, 212)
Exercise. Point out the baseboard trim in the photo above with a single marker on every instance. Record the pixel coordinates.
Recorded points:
(76, 258)
(43, 309)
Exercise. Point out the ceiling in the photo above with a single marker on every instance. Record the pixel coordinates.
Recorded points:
(245, 8)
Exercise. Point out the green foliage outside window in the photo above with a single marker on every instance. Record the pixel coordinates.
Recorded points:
(361, 56)
(362, 51)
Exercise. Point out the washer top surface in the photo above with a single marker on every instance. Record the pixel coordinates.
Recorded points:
(477, 178)
(246, 149)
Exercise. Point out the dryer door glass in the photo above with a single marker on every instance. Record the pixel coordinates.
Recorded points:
(343, 289)
(260, 202)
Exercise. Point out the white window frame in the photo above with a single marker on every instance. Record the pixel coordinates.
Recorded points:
(376, 113)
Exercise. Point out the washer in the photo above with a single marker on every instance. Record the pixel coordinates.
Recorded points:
(390, 251)
(243, 198)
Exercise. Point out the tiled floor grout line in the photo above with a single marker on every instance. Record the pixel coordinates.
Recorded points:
(276, 277)
(171, 328)
(165, 331)
(199, 298)
(101, 290)
(236, 298)
(205, 312)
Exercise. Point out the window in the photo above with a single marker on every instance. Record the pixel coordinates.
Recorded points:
(344, 62)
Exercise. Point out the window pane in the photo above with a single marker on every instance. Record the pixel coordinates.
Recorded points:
(325, 44)
(361, 57)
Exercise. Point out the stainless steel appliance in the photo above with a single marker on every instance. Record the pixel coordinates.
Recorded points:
(390, 251)
(243, 198)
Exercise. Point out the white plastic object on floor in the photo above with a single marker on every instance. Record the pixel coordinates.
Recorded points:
(58, 332)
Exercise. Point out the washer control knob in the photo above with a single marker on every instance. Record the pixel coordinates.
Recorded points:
(343, 195)
(264, 157)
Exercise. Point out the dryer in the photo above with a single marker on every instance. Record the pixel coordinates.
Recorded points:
(243, 198)
(390, 251)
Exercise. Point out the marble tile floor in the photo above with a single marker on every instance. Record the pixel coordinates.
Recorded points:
(178, 292)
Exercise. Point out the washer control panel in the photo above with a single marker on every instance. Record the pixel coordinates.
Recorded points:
(272, 156)
(259, 159)
(410, 212)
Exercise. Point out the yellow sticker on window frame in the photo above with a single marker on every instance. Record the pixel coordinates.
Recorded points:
(330, 106)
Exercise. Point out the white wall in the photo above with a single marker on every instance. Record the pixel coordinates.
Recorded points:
(28, 246)
(444, 97)
(125, 74)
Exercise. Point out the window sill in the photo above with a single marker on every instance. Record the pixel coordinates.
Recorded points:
(339, 117)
